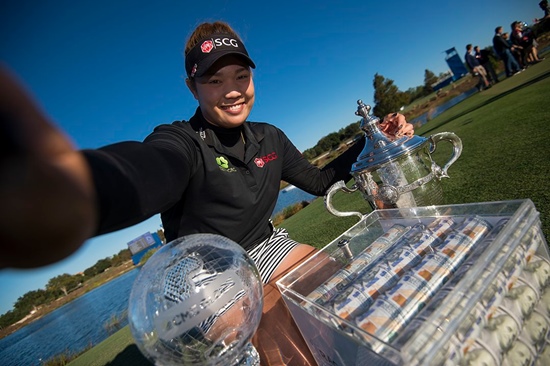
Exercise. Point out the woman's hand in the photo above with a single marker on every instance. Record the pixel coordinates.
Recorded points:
(395, 125)
(47, 196)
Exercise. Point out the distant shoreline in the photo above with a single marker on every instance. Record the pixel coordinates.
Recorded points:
(89, 285)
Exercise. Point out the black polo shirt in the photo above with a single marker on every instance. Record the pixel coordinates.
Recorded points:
(185, 173)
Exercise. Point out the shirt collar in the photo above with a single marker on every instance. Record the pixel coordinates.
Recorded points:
(199, 123)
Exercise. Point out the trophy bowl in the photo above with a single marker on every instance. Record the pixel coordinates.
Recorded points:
(395, 172)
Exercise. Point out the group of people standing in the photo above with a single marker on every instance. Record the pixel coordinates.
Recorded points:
(517, 50)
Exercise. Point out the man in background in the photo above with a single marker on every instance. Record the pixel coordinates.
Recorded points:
(545, 8)
(503, 51)
(482, 57)
(476, 68)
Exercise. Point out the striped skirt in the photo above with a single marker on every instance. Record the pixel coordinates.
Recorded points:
(270, 253)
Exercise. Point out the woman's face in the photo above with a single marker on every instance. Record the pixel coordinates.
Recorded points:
(225, 93)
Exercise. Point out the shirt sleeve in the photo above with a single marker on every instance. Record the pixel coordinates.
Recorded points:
(136, 180)
(502, 43)
(471, 61)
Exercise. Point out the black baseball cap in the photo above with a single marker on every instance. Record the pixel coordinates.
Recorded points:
(207, 51)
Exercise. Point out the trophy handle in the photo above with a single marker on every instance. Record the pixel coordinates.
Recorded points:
(457, 150)
(339, 186)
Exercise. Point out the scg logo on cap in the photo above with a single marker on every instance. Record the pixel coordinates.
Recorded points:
(209, 45)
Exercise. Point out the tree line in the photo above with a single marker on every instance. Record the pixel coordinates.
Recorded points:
(59, 286)
(387, 99)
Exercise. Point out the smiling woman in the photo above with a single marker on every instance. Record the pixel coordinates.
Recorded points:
(111, 71)
(218, 75)
(217, 173)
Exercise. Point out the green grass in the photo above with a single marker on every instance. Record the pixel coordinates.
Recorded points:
(506, 141)
(506, 156)
(117, 350)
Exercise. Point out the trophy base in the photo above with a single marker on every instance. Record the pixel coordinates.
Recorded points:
(250, 357)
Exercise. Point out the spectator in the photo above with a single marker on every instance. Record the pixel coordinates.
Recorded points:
(483, 57)
(523, 37)
(503, 51)
(545, 8)
(515, 49)
(476, 68)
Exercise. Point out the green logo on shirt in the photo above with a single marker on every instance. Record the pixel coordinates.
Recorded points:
(223, 163)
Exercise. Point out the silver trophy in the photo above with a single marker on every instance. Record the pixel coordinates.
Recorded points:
(396, 172)
(197, 301)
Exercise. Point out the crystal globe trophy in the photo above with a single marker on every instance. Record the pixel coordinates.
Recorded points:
(197, 301)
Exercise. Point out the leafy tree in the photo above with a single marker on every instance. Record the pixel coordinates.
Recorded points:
(387, 97)
(429, 79)
(25, 304)
(123, 256)
(160, 233)
(318, 150)
(147, 255)
(63, 282)
(351, 130)
(333, 140)
(10, 317)
(99, 267)
(309, 154)
(415, 93)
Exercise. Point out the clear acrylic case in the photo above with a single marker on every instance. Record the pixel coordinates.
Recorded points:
(438, 285)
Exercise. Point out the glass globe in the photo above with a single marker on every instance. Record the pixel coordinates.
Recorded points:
(197, 301)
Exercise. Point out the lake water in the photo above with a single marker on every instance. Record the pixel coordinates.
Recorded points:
(80, 323)
(424, 118)
(289, 196)
(73, 327)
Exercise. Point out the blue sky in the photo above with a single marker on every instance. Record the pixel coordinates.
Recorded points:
(107, 71)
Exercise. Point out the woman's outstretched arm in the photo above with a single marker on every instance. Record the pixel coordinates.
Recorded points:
(47, 198)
